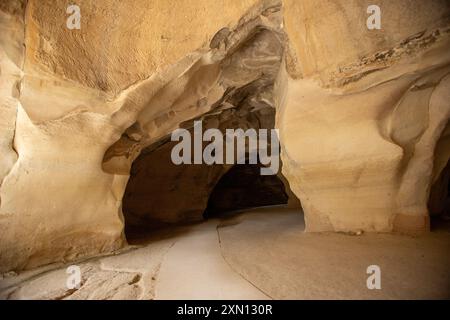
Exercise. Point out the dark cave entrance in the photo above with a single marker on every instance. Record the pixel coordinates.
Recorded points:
(160, 193)
(439, 196)
(243, 187)
(439, 201)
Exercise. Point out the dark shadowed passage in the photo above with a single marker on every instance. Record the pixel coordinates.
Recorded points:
(243, 187)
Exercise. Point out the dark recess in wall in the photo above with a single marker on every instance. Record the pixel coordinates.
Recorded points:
(244, 187)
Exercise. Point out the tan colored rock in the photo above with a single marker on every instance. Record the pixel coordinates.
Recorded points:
(359, 131)
(80, 91)
(328, 36)
(359, 125)
(11, 60)
(120, 43)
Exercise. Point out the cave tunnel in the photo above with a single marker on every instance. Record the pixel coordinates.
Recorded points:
(439, 201)
(439, 195)
(160, 192)
(243, 187)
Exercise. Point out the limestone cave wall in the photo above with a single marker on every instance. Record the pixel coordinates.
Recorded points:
(360, 112)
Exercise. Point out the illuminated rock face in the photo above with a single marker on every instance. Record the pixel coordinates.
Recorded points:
(361, 112)
(360, 122)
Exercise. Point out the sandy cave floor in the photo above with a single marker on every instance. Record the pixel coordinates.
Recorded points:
(257, 254)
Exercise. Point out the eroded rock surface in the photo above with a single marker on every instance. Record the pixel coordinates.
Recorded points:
(360, 122)
(79, 94)
(362, 113)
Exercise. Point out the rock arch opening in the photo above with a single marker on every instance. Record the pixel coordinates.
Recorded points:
(232, 86)
(160, 192)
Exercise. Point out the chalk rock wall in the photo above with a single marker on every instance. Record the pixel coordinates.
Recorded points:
(11, 62)
(79, 105)
(359, 111)
(363, 111)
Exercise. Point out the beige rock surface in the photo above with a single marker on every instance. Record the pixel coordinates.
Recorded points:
(358, 124)
(367, 178)
(78, 95)
(11, 60)
(359, 130)
(328, 36)
(120, 43)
